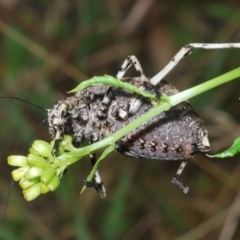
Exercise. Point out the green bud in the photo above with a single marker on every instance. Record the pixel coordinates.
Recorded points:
(32, 192)
(68, 138)
(43, 188)
(42, 148)
(33, 151)
(66, 144)
(18, 173)
(33, 172)
(47, 174)
(53, 184)
(24, 183)
(36, 161)
(17, 161)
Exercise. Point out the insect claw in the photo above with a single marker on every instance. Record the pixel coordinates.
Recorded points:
(177, 182)
(88, 183)
(98, 186)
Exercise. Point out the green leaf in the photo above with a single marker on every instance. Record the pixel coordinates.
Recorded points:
(230, 152)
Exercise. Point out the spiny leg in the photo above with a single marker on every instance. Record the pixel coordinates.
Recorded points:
(185, 51)
(96, 182)
(102, 111)
(135, 103)
(176, 181)
(131, 60)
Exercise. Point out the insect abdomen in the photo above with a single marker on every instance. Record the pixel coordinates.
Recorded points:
(176, 134)
(173, 135)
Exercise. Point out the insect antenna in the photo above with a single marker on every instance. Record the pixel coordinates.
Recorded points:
(25, 101)
(7, 195)
(35, 131)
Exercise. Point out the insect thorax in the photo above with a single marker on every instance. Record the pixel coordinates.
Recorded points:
(100, 110)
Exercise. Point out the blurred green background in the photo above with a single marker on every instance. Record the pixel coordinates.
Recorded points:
(48, 47)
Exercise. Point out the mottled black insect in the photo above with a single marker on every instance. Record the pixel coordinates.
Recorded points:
(97, 111)
(91, 114)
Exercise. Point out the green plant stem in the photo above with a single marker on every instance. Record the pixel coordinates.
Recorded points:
(112, 81)
(96, 165)
(194, 91)
(74, 156)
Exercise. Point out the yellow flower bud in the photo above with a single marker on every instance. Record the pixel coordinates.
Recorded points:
(18, 161)
(18, 173)
(33, 172)
(32, 192)
(47, 174)
(53, 184)
(33, 151)
(42, 148)
(36, 161)
(43, 188)
(24, 183)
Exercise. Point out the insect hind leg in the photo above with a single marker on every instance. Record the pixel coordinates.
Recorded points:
(185, 51)
(177, 182)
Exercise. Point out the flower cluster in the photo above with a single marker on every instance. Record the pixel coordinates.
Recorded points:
(36, 172)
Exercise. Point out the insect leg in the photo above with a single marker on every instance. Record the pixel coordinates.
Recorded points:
(135, 103)
(96, 182)
(131, 60)
(185, 51)
(102, 110)
(176, 181)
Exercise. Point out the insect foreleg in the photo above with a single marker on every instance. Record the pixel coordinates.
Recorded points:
(131, 60)
(102, 113)
(96, 182)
